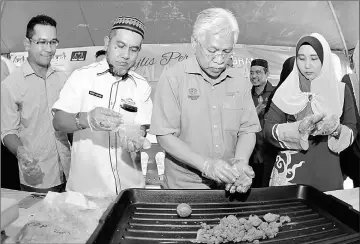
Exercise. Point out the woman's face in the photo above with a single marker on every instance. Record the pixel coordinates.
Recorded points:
(308, 62)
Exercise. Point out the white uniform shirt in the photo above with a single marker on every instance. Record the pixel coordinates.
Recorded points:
(99, 166)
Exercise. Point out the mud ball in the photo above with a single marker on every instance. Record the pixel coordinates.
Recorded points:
(183, 210)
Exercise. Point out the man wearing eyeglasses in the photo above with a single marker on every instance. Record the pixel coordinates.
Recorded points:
(261, 90)
(27, 96)
(203, 115)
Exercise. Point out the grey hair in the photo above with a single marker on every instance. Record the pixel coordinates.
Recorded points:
(217, 20)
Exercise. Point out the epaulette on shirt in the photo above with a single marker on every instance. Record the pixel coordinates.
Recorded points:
(137, 76)
(92, 65)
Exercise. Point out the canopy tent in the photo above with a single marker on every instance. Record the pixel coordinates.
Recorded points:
(271, 23)
(268, 30)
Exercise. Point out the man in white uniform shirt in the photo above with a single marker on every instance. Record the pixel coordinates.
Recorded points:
(95, 100)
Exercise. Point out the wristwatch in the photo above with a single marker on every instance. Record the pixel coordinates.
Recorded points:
(77, 121)
(337, 132)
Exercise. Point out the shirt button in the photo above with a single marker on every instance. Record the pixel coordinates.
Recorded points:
(215, 126)
(112, 147)
(216, 146)
(212, 88)
(214, 107)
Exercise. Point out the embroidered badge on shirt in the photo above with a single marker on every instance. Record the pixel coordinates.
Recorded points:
(193, 94)
(128, 105)
(95, 94)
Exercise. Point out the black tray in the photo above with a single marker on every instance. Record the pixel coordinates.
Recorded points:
(149, 216)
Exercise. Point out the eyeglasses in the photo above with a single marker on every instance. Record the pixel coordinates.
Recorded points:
(225, 54)
(44, 43)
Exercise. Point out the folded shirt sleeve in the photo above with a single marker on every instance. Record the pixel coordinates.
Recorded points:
(280, 133)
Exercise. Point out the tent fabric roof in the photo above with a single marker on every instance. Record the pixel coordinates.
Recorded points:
(273, 23)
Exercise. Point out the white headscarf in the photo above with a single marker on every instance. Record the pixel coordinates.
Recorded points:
(327, 92)
(337, 66)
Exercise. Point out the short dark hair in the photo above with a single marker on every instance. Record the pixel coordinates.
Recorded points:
(99, 53)
(38, 20)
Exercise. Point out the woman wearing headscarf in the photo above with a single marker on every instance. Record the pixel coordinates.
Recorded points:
(272, 151)
(311, 120)
(350, 157)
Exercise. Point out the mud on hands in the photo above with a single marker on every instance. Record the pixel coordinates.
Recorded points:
(218, 170)
(245, 174)
(327, 126)
(104, 119)
(308, 125)
(29, 166)
(132, 137)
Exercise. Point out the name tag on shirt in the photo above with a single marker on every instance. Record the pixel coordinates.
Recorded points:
(233, 93)
(95, 94)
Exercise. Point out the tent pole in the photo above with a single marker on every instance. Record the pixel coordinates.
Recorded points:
(2, 7)
(86, 24)
(339, 28)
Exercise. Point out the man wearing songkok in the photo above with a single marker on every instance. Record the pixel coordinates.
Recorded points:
(261, 90)
(99, 103)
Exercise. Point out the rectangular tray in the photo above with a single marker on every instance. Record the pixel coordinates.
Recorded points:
(149, 216)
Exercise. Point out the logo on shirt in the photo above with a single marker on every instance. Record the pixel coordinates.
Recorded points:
(78, 56)
(193, 94)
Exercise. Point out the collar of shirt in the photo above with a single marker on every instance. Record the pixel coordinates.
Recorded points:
(104, 69)
(268, 88)
(28, 70)
(193, 67)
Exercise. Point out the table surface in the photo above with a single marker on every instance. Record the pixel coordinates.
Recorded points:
(350, 196)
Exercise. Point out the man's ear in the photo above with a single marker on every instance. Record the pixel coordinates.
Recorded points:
(106, 42)
(26, 43)
(267, 74)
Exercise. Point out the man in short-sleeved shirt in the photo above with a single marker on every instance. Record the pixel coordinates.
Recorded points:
(27, 96)
(203, 109)
(100, 166)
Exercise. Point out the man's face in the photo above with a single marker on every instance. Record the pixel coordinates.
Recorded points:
(39, 52)
(258, 76)
(213, 52)
(122, 50)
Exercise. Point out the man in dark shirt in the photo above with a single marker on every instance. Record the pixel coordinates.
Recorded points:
(261, 90)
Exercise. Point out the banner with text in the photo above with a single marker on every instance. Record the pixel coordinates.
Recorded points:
(155, 58)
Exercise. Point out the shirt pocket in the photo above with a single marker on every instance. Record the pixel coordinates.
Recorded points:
(128, 117)
(232, 112)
